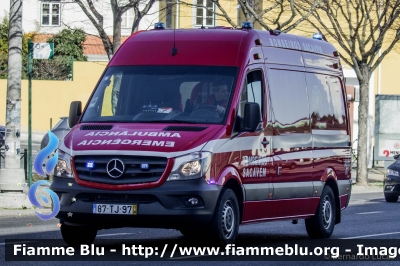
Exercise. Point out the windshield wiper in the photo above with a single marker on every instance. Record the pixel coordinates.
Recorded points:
(167, 121)
(109, 121)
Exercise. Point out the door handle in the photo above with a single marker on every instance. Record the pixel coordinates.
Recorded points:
(265, 142)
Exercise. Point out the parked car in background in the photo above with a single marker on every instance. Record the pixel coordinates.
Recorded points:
(2, 135)
(61, 129)
(391, 182)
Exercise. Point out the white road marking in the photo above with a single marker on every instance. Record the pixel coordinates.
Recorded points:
(116, 234)
(369, 212)
(383, 234)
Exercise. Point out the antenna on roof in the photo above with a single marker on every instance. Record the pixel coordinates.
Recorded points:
(174, 50)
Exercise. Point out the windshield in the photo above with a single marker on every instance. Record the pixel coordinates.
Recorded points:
(163, 94)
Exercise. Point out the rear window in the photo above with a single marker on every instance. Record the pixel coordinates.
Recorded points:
(326, 102)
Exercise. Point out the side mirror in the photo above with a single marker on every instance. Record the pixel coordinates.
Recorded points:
(75, 111)
(252, 117)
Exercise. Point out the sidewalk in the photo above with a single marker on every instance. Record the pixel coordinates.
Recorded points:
(375, 181)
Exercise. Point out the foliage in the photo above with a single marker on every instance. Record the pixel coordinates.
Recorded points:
(69, 42)
(59, 68)
(4, 25)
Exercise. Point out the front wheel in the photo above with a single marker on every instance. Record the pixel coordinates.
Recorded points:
(78, 235)
(225, 222)
(391, 198)
(321, 225)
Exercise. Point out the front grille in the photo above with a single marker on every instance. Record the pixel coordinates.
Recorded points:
(133, 173)
(116, 198)
(184, 128)
(96, 127)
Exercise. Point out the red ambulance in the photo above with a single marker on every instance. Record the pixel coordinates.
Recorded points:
(202, 130)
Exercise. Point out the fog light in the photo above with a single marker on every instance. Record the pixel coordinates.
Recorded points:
(193, 201)
(174, 177)
(389, 188)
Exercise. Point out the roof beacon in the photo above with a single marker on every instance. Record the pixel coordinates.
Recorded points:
(317, 36)
(247, 25)
(159, 26)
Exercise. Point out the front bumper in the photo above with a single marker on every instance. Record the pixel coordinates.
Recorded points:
(165, 206)
(391, 186)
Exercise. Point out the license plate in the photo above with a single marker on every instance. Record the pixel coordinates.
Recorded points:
(114, 209)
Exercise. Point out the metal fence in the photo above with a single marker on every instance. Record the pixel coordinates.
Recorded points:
(23, 159)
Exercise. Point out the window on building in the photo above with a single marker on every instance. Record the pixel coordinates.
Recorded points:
(51, 14)
(127, 19)
(205, 16)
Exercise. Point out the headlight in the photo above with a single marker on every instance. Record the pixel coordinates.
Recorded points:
(63, 166)
(392, 172)
(190, 166)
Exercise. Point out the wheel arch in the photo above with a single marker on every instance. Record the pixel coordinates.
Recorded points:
(230, 178)
(234, 185)
(331, 182)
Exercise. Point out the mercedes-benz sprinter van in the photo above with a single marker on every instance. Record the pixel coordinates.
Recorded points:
(202, 130)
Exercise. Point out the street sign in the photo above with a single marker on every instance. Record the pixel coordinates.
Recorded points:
(43, 50)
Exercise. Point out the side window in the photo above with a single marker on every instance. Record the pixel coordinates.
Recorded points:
(326, 102)
(252, 91)
(289, 102)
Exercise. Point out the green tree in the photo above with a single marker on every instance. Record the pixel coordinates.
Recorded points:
(69, 42)
(4, 28)
(3, 46)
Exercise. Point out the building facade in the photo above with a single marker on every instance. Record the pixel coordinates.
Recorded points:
(51, 16)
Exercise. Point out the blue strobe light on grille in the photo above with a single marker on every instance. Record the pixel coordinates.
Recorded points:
(90, 164)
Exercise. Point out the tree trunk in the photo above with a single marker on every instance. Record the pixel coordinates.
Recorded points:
(116, 31)
(362, 150)
(13, 109)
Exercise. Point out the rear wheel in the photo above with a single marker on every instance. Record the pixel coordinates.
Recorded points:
(225, 222)
(321, 225)
(78, 235)
(391, 198)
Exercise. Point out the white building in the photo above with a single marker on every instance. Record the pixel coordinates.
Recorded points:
(51, 16)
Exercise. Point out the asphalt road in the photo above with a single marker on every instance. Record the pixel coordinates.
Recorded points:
(367, 217)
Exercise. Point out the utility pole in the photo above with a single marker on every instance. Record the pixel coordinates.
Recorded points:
(12, 180)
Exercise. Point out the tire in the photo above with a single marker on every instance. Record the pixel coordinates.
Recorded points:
(225, 222)
(391, 198)
(321, 225)
(78, 235)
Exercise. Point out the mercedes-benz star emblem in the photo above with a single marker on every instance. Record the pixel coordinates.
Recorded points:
(115, 168)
